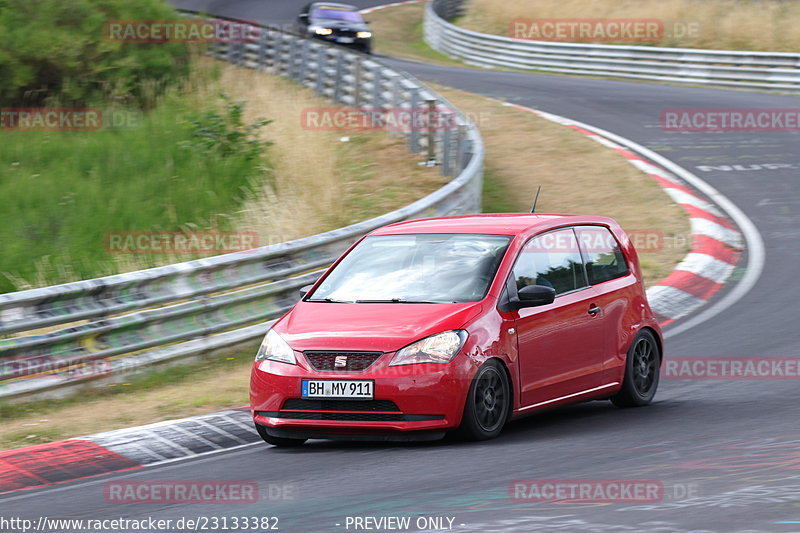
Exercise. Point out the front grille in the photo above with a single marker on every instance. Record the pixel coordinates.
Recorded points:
(297, 404)
(353, 417)
(356, 361)
(341, 32)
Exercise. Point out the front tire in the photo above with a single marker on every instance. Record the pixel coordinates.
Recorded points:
(642, 372)
(278, 441)
(488, 404)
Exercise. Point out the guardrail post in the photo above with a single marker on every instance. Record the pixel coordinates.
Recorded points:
(230, 53)
(357, 83)
(396, 90)
(263, 35)
(377, 87)
(337, 87)
(447, 150)
(304, 55)
(271, 51)
(276, 52)
(322, 66)
(461, 147)
(285, 59)
(467, 154)
(432, 125)
(413, 134)
(294, 64)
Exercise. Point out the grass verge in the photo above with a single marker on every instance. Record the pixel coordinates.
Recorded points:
(65, 191)
(398, 33)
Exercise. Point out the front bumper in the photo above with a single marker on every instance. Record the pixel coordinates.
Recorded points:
(355, 42)
(426, 397)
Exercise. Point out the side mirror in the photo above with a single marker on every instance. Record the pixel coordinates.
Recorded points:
(534, 296)
(304, 290)
(302, 16)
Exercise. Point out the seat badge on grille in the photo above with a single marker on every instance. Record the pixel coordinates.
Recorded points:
(340, 361)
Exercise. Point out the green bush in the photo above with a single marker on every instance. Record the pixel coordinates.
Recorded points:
(226, 134)
(57, 52)
(65, 191)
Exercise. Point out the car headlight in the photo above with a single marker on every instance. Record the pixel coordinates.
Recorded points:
(274, 348)
(323, 31)
(439, 348)
(364, 34)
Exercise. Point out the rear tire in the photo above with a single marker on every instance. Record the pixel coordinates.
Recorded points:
(642, 372)
(278, 441)
(488, 404)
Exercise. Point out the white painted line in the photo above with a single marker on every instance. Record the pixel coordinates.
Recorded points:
(155, 436)
(395, 4)
(706, 266)
(133, 450)
(685, 198)
(124, 432)
(605, 142)
(709, 228)
(176, 427)
(240, 424)
(220, 431)
(650, 168)
(672, 302)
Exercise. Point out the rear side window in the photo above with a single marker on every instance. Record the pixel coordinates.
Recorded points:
(552, 260)
(601, 253)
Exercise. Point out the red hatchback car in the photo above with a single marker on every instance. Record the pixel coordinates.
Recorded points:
(459, 323)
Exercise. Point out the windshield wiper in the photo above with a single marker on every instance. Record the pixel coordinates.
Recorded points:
(383, 301)
(396, 301)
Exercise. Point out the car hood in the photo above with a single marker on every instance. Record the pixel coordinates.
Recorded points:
(369, 326)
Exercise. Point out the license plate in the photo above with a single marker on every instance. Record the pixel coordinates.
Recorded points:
(338, 388)
(345, 40)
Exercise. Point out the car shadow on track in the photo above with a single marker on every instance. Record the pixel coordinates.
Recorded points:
(578, 421)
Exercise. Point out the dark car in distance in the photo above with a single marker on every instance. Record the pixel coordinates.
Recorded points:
(335, 23)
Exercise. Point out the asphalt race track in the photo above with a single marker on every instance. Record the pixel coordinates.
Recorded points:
(726, 452)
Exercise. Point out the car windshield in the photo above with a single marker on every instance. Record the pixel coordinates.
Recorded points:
(336, 14)
(425, 268)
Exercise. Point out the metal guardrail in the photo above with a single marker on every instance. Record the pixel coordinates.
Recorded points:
(108, 325)
(753, 70)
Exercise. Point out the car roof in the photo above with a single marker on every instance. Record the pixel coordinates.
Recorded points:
(492, 224)
(318, 5)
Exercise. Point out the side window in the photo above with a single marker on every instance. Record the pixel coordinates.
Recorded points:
(601, 253)
(552, 260)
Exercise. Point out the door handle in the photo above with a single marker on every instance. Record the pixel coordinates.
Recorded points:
(594, 309)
